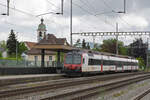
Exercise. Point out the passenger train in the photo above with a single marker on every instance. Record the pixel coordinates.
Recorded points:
(84, 61)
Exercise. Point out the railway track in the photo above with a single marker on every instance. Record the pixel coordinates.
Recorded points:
(142, 95)
(58, 84)
(83, 94)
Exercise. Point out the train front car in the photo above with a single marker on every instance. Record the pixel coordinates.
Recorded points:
(73, 63)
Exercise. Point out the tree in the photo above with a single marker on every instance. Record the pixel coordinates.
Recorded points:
(96, 47)
(21, 48)
(11, 43)
(77, 44)
(138, 49)
(88, 46)
(141, 63)
(110, 46)
(83, 44)
(3, 45)
(123, 50)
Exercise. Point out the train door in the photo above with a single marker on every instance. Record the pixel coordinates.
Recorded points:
(84, 63)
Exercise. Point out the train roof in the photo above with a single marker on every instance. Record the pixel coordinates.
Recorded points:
(101, 53)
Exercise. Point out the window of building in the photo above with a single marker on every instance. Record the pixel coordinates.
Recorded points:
(40, 34)
(35, 58)
(50, 58)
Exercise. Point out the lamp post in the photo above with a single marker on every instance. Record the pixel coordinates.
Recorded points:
(71, 22)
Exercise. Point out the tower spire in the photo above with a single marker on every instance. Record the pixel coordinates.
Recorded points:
(41, 31)
(42, 20)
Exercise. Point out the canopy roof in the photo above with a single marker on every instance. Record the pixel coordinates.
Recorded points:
(50, 42)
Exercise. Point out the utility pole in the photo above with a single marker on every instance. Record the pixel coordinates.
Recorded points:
(71, 22)
(117, 38)
(8, 1)
(124, 6)
(94, 41)
(17, 47)
(147, 54)
(124, 11)
(62, 6)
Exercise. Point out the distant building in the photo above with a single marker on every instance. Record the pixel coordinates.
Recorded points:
(3, 52)
(34, 55)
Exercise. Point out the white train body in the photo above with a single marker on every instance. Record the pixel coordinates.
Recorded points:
(108, 63)
(85, 62)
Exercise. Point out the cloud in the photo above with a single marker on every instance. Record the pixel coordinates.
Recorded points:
(84, 19)
(136, 21)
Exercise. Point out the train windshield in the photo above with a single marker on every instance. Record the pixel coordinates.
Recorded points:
(73, 59)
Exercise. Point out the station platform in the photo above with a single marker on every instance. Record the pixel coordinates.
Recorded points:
(16, 79)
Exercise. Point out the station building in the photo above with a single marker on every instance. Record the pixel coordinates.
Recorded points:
(34, 55)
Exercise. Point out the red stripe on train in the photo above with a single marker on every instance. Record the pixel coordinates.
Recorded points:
(101, 67)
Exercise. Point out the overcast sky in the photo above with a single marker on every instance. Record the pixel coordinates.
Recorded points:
(88, 16)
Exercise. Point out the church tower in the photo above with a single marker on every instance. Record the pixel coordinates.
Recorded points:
(41, 31)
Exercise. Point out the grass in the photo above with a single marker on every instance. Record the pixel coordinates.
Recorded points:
(118, 94)
(9, 58)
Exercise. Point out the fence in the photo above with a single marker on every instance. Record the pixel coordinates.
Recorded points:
(9, 67)
(24, 64)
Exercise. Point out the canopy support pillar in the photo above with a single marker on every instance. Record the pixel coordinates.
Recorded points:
(42, 58)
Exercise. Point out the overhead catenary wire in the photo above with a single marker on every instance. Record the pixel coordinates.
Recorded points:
(105, 3)
(68, 13)
(18, 10)
(91, 14)
(91, 5)
(85, 3)
(23, 12)
(87, 11)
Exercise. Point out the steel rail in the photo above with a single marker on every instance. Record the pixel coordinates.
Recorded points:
(92, 91)
(142, 95)
(62, 84)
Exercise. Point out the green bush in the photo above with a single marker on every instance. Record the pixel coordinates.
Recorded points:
(0, 54)
(141, 63)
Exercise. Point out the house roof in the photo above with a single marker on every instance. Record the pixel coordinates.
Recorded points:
(29, 45)
(50, 42)
(38, 52)
(51, 39)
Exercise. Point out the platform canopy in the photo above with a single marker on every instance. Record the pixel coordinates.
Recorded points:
(50, 42)
(54, 47)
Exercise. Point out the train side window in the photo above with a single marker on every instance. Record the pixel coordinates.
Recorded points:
(94, 62)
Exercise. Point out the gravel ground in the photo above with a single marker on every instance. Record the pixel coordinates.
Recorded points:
(147, 97)
(38, 95)
(125, 93)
